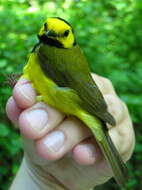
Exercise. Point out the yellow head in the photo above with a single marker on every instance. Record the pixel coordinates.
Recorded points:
(57, 32)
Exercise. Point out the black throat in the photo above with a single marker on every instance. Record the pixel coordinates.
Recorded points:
(49, 41)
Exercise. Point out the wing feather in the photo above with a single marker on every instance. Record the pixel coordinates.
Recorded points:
(69, 68)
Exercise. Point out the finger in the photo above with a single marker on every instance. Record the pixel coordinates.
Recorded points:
(104, 84)
(24, 94)
(87, 152)
(118, 110)
(60, 141)
(124, 138)
(38, 120)
(12, 110)
(115, 107)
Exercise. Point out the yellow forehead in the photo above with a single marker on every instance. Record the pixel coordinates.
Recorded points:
(57, 25)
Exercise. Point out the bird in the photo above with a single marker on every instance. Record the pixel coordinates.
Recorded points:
(59, 72)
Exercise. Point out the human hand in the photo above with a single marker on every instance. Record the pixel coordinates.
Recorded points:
(57, 147)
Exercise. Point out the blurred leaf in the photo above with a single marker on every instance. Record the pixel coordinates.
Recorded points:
(110, 34)
(4, 130)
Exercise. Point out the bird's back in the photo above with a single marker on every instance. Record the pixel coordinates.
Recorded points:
(69, 68)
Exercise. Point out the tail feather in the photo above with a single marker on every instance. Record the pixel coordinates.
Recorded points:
(100, 132)
(112, 156)
(107, 117)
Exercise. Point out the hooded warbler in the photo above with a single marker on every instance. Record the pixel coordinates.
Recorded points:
(60, 74)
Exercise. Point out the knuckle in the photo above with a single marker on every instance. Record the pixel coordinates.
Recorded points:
(127, 146)
(115, 107)
(124, 142)
(107, 82)
(104, 84)
(127, 138)
(109, 86)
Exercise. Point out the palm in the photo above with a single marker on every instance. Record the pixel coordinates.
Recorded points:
(66, 170)
(63, 166)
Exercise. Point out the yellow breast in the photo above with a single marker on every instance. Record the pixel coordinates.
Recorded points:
(64, 99)
(40, 82)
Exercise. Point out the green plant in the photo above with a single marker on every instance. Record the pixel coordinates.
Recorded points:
(109, 32)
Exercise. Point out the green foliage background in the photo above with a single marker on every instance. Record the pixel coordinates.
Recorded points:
(109, 32)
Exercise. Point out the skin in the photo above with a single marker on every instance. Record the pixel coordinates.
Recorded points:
(79, 150)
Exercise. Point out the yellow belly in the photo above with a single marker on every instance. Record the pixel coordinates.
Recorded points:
(64, 99)
(40, 82)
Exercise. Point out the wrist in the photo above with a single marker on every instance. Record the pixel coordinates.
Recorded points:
(32, 178)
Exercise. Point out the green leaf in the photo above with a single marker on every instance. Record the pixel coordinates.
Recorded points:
(4, 130)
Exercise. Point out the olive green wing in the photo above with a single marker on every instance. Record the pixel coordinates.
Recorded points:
(69, 68)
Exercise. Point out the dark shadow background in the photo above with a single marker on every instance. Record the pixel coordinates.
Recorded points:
(109, 32)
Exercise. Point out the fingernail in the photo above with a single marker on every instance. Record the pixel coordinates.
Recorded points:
(37, 119)
(27, 91)
(90, 149)
(54, 141)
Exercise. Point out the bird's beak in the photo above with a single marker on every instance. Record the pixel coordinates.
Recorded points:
(47, 34)
(50, 33)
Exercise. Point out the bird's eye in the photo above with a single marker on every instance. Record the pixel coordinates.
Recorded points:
(66, 33)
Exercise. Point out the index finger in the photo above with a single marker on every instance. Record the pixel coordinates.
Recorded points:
(23, 94)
